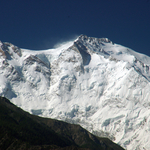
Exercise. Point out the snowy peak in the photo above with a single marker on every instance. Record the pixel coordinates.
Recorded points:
(104, 46)
(93, 40)
(107, 47)
(94, 44)
(93, 82)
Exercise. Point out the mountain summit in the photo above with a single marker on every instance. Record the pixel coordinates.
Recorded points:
(93, 82)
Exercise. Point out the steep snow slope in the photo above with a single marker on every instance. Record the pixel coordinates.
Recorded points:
(90, 81)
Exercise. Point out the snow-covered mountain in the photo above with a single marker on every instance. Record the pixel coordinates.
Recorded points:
(93, 82)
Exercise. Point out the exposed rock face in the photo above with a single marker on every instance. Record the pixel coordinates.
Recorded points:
(9, 50)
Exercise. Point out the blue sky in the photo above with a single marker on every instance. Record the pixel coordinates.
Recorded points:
(40, 24)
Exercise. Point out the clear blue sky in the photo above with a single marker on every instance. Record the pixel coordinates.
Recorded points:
(39, 24)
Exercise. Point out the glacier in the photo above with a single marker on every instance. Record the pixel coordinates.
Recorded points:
(101, 85)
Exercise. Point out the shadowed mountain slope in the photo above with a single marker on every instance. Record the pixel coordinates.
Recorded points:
(21, 131)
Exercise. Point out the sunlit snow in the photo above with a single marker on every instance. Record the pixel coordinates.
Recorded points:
(93, 82)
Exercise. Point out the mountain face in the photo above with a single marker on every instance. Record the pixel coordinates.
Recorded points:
(93, 82)
(23, 131)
